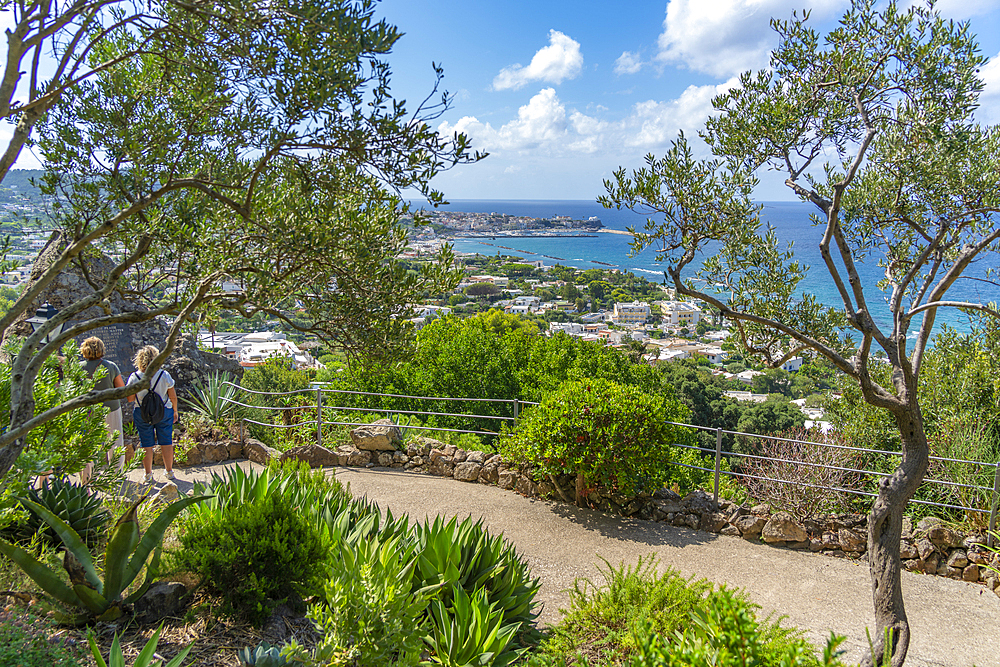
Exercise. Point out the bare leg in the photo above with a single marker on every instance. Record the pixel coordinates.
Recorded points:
(168, 456)
(147, 459)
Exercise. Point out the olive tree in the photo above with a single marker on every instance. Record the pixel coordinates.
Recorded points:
(254, 142)
(873, 125)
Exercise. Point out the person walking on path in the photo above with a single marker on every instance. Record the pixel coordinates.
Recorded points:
(92, 351)
(160, 433)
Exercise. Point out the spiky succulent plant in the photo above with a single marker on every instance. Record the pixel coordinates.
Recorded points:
(74, 504)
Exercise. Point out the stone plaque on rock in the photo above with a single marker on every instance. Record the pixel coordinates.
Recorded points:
(117, 345)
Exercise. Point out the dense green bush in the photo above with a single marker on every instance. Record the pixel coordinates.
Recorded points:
(724, 632)
(253, 555)
(605, 617)
(611, 436)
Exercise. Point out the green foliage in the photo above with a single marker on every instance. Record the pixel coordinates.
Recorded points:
(146, 658)
(369, 616)
(252, 555)
(24, 642)
(71, 502)
(775, 415)
(66, 443)
(724, 632)
(613, 435)
(210, 398)
(89, 595)
(605, 619)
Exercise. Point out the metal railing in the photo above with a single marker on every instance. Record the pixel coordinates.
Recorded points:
(993, 492)
(717, 470)
(319, 422)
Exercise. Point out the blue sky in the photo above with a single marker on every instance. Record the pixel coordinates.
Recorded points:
(563, 93)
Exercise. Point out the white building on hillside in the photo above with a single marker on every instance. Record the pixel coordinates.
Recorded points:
(626, 314)
(680, 314)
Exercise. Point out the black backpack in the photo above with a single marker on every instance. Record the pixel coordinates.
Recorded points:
(152, 407)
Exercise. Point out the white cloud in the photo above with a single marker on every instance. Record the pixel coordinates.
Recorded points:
(558, 61)
(725, 37)
(962, 9)
(989, 100)
(628, 63)
(541, 121)
(543, 127)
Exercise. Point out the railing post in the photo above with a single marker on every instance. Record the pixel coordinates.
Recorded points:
(718, 462)
(993, 508)
(517, 412)
(319, 416)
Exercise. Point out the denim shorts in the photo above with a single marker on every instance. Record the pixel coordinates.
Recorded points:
(154, 434)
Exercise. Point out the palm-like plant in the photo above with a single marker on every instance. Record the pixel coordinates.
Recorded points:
(213, 398)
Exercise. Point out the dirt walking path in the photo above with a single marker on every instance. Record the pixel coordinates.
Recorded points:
(954, 624)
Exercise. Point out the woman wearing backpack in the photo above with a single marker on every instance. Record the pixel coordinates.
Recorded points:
(161, 432)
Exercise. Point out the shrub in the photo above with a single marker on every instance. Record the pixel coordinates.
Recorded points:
(24, 642)
(609, 435)
(252, 555)
(368, 617)
(604, 619)
(804, 467)
(724, 632)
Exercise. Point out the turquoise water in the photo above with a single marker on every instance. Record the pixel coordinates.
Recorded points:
(790, 220)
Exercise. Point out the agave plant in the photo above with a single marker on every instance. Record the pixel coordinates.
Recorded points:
(213, 398)
(95, 598)
(471, 631)
(145, 658)
(73, 503)
(465, 556)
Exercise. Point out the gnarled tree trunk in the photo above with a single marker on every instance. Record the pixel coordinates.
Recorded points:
(885, 528)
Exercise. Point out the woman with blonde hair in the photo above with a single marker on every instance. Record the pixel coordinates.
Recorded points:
(160, 433)
(92, 350)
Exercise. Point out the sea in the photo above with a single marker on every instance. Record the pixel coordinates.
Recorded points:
(791, 221)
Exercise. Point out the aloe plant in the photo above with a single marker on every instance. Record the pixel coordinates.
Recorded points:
(97, 598)
(145, 658)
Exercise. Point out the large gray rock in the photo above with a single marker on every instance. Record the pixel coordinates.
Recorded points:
(163, 599)
(259, 453)
(186, 364)
(782, 527)
(379, 436)
(467, 471)
(750, 526)
(943, 536)
(314, 455)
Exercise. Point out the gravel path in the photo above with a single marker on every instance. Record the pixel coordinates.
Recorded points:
(954, 624)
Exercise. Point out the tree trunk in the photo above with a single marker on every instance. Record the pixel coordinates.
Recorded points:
(20, 413)
(581, 488)
(885, 528)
